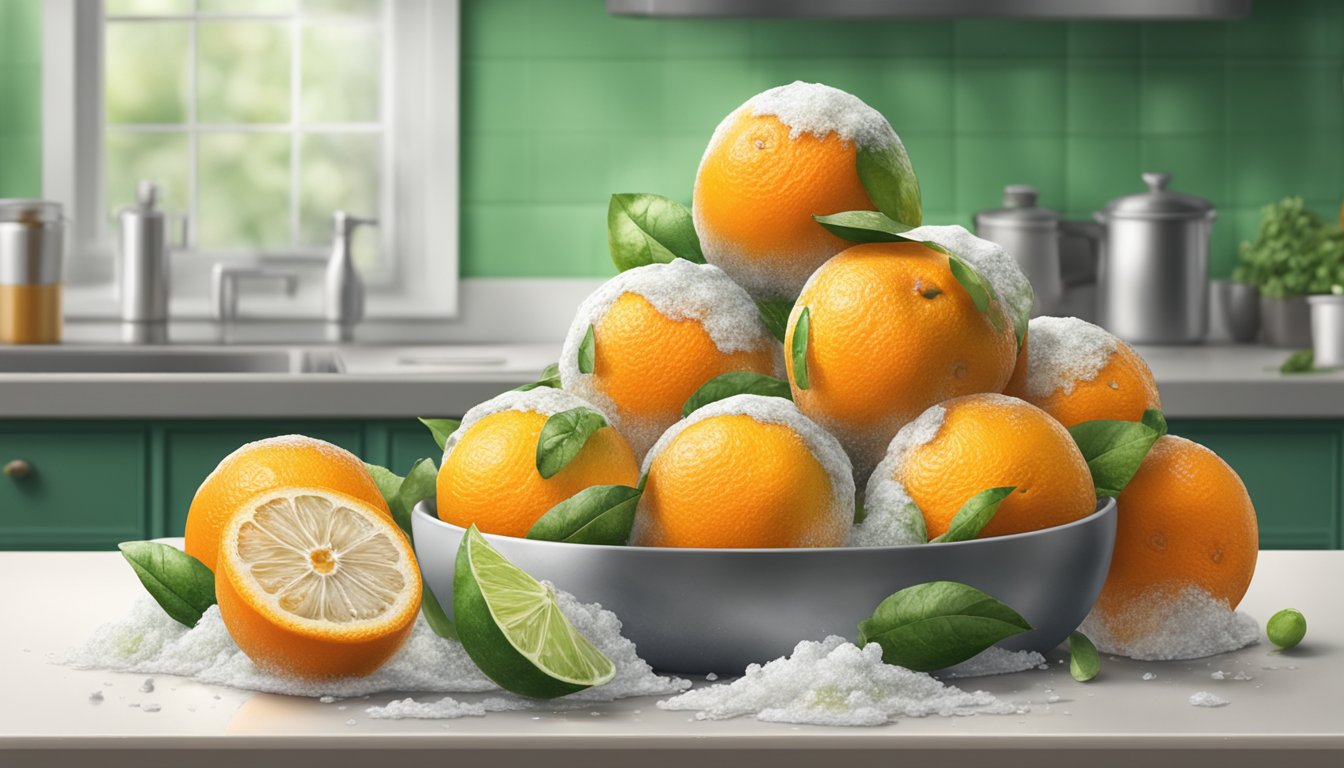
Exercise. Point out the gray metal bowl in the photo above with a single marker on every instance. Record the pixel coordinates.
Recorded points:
(718, 610)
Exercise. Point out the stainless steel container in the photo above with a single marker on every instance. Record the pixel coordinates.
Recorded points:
(144, 258)
(1031, 236)
(1327, 330)
(1153, 282)
(1235, 310)
(32, 236)
(1285, 322)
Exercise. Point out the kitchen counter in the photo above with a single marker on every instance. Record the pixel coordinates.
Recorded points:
(1210, 381)
(1291, 713)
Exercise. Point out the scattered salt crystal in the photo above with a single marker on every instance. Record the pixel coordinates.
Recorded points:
(351, 721)
(446, 708)
(678, 290)
(148, 641)
(833, 682)
(1149, 676)
(890, 517)
(1219, 675)
(342, 708)
(999, 268)
(1191, 625)
(327, 699)
(1206, 699)
(711, 677)
(96, 697)
(595, 714)
(995, 661)
(1053, 698)
(150, 706)
(147, 686)
(1063, 351)
(775, 410)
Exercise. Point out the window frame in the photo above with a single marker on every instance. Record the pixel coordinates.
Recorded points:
(421, 176)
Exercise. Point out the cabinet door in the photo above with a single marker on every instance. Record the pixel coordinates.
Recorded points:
(86, 486)
(192, 449)
(1292, 470)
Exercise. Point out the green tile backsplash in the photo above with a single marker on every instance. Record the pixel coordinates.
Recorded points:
(563, 104)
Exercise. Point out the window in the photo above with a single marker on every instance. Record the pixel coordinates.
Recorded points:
(259, 118)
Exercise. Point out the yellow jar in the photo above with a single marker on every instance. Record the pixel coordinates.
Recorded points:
(31, 241)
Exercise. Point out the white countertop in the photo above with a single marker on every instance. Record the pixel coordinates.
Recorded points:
(1291, 713)
(394, 381)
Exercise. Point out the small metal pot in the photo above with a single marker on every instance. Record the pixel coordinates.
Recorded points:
(1235, 308)
(1286, 322)
(1327, 330)
(1153, 282)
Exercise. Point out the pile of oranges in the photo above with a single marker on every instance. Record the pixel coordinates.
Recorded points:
(905, 380)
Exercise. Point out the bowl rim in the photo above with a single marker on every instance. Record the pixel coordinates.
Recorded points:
(1105, 507)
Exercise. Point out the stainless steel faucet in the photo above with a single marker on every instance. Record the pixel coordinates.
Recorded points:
(345, 291)
(224, 286)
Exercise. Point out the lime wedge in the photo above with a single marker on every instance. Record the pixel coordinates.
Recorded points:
(512, 627)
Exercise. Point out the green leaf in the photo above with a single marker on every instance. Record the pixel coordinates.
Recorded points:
(1301, 361)
(974, 283)
(937, 624)
(435, 616)
(650, 229)
(1084, 663)
(562, 437)
(1155, 420)
(775, 315)
(726, 385)
(864, 227)
(182, 585)
(599, 514)
(403, 493)
(586, 351)
(441, 429)
(550, 377)
(799, 350)
(890, 181)
(1115, 449)
(975, 514)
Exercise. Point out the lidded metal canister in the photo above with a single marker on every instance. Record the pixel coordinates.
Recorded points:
(32, 237)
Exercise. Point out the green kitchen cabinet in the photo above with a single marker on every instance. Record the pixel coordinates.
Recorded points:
(398, 444)
(189, 450)
(87, 485)
(1292, 470)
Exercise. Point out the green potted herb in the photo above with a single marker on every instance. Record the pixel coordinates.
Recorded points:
(1294, 254)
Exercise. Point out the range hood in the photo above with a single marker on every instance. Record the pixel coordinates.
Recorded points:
(1118, 10)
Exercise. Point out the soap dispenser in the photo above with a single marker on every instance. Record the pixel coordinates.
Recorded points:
(345, 291)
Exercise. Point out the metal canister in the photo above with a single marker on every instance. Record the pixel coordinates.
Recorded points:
(144, 258)
(32, 236)
(1153, 273)
(1031, 236)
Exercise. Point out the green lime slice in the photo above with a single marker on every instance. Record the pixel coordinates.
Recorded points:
(512, 627)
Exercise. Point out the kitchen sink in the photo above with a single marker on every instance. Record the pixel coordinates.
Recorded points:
(103, 360)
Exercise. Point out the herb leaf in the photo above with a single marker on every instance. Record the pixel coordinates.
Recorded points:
(1301, 361)
(403, 493)
(587, 351)
(562, 437)
(550, 377)
(937, 624)
(799, 348)
(775, 315)
(864, 227)
(435, 616)
(647, 229)
(388, 483)
(972, 281)
(975, 514)
(1115, 449)
(182, 585)
(890, 181)
(1084, 663)
(726, 385)
(441, 429)
(599, 514)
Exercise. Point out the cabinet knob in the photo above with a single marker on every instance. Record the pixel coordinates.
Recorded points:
(18, 469)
